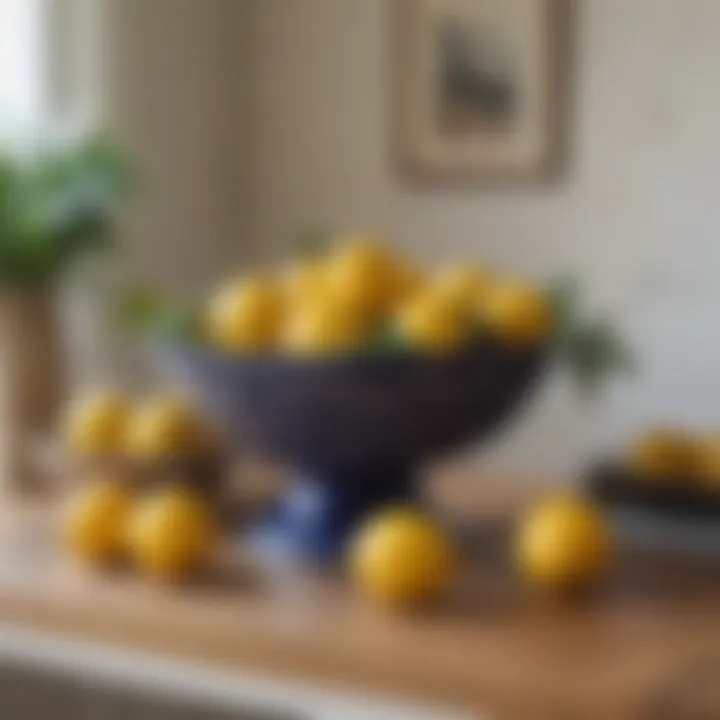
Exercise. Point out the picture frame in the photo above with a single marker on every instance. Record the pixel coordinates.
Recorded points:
(481, 89)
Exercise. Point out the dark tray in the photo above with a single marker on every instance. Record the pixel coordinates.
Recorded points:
(615, 487)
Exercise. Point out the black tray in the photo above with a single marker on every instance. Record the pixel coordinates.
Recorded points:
(674, 498)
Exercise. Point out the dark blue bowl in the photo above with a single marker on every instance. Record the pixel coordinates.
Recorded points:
(354, 428)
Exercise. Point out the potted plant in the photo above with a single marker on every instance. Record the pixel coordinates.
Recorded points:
(57, 205)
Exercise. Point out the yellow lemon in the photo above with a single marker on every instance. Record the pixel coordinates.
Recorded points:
(171, 533)
(665, 452)
(465, 284)
(407, 280)
(516, 313)
(304, 282)
(563, 543)
(96, 519)
(244, 315)
(433, 324)
(401, 558)
(95, 424)
(708, 460)
(360, 276)
(324, 329)
(165, 426)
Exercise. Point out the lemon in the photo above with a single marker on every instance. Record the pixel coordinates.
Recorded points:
(464, 284)
(95, 424)
(96, 518)
(324, 329)
(665, 453)
(401, 558)
(707, 463)
(165, 426)
(244, 315)
(407, 280)
(304, 282)
(516, 313)
(563, 543)
(171, 533)
(433, 324)
(360, 276)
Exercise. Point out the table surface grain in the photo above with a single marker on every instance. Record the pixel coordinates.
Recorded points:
(646, 646)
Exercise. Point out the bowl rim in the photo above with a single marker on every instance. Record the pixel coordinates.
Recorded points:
(400, 359)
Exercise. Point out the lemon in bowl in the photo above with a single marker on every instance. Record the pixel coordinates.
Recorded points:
(431, 323)
(244, 315)
(517, 314)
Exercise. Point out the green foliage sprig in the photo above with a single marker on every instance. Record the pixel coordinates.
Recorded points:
(57, 204)
(593, 350)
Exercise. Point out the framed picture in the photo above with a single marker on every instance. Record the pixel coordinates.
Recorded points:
(480, 88)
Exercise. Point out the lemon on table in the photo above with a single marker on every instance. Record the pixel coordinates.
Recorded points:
(318, 329)
(166, 426)
(244, 315)
(400, 558)
(464, 284)
(432, 324)
(516, 313)
(95, 520)
(563, 543)
(95, 424)
(664, 452)
(171, 533)
(359, 275)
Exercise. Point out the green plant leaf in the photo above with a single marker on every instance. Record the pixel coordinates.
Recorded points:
(58, 204)
(596, 353)
(311, 242)
(565, 296)
(180, 323)
(139, 308)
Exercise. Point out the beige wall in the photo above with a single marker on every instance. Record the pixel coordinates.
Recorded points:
(637, 217)
(177, 91)
(175, 86)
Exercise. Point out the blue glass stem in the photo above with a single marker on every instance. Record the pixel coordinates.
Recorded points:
(322, 508)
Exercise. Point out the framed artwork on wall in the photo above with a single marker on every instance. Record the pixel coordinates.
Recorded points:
(481, 85)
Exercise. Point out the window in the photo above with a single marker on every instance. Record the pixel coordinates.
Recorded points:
(22, 85)
(49, 65)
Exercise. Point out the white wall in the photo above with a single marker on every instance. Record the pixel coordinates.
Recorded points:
(637, 217)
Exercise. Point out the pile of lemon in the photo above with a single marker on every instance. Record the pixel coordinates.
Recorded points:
(166, 532)
(669, 455)
(345, 299)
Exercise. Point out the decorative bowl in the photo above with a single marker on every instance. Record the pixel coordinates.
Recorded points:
(354, 429)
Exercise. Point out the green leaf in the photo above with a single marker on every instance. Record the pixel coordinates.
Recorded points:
(140, 308)
(311, 242)
(595, 354)
(387, 341)
(180, 323)
(57, 204)
(564, 295)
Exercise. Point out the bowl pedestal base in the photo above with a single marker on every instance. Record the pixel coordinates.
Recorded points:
(321, 508)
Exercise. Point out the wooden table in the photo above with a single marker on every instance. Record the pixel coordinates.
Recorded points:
(647, 647)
